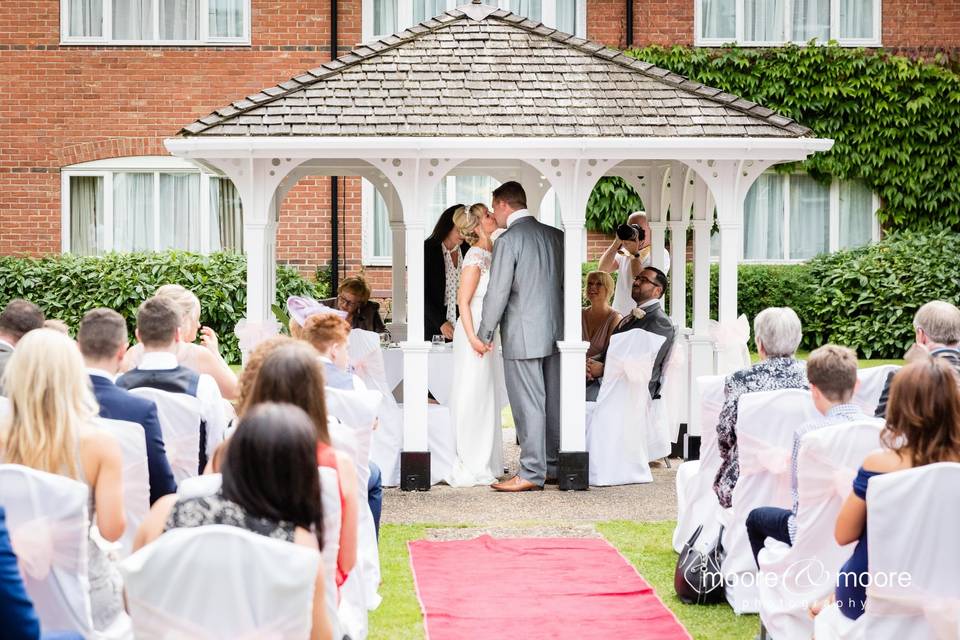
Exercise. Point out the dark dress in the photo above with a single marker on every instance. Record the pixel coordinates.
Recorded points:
(851, 581)
(435, 287)
(215, 509)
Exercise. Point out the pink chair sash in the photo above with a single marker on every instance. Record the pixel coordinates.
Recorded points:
(942, 613)
(759, 456)
(250, 334)
(731, 338)
(37, 544)
(147, 616)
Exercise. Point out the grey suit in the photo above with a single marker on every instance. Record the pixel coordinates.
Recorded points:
(525, 297)
(5, 352)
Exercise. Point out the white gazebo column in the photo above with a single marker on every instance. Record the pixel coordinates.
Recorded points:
(700, 343)
(398, 271)
(679, 215)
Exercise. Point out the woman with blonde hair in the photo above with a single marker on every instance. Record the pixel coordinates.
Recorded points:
(51, 427)
(202, 358)
(599, 320)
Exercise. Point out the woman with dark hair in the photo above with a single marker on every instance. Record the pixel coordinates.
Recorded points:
(270, 487)
(443, 254)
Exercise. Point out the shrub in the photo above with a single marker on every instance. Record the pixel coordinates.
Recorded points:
(67, 286)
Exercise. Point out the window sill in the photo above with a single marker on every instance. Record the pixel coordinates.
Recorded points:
(721, 44)
(377, 262)
(152, 43)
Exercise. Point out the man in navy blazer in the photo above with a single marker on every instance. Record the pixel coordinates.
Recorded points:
(103, 341)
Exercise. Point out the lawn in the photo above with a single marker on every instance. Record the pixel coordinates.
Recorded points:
(646, 545)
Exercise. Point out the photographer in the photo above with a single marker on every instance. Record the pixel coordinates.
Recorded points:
(628, 254)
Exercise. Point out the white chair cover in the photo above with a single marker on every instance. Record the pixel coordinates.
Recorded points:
(191, 582)
(792, 578)
(332, 517)
(179, 416)
(48, 519)
(730, 343)
(696, 502)
(871, 386)
(619, 427)
(674, 395)
(766, 422)
(136, 475)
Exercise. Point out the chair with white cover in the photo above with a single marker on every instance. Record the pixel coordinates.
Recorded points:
(200, 486)
(136, 475)
(766, 422)
(219, 581)
(696, 501)
(872, 381)
(673, 397)
(794, 577)
(618, 424)
(179, 416)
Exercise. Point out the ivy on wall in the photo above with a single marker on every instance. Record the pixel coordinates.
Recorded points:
(895, 122)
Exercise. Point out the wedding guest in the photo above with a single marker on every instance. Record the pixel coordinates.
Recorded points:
(937, 328)
(270, 487)
(628, 258)
(102, 338)
(443, 254)
(777, 332)
(16, 319)
(832, 376)
(353, 298)
(648, 288)
(50, 427)
(202, 358)
(599, 320)
(159, 331)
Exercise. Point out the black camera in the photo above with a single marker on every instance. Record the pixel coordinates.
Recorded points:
(631, 232)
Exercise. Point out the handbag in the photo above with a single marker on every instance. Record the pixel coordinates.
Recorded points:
(698, 578)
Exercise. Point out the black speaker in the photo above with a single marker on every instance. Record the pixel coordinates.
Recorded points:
(415, 470)
(691, 447)
(573, 471)
(676, 449)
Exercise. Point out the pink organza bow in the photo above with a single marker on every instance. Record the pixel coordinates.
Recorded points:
(942, 613)
(757, 455)
(33, 544)
(250, 334)
(731, 339)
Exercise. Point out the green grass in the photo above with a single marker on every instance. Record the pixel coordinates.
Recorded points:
(647, 545)
(863, 362)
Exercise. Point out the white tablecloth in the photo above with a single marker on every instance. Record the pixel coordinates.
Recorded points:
(439, 372)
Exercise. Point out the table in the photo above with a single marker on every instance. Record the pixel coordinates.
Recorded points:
(439, 372)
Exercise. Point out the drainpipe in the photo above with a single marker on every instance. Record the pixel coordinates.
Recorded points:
(334, 180)
(629, 23)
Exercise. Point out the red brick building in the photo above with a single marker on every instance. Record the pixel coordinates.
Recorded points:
(91, 88)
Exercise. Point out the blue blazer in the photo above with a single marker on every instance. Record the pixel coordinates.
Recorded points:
(16, 609)
(120, 404)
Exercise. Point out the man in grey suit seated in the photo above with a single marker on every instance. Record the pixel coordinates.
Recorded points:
(17, 318)
(648, 287)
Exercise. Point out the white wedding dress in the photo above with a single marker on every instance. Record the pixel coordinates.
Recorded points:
(474, 408)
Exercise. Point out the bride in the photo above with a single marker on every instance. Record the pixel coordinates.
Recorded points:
(473, 403)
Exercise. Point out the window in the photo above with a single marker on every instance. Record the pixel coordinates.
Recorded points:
(155, 22)
(383, 17)
(775, 22)
(148, 204)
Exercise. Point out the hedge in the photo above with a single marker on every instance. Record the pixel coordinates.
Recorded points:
(67, 286)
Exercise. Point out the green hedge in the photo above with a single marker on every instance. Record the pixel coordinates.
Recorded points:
(66, 286)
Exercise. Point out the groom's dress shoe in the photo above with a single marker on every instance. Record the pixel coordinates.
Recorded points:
(515, 484)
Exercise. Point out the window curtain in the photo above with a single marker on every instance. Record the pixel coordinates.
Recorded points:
(226, 217)
(426, 9)
(527, 8)
(809, 217)
(382, 235)
(718, 19)
(86, 18)
(225, 18)
(179, 20)
(384, 17)
(133, 212)
(811, 19)
(856, 214)
(180, 211)
(86, 215)
(763, 219)
(763, 20)
(473, 189)
(133, 20)
(856, 19)
(567, 16)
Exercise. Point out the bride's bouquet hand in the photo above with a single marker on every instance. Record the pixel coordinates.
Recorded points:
(479, 347)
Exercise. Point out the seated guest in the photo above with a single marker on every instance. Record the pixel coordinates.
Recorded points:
(937, 328)
(443, 254)
(102, 339)
(777, 332)
(51, 428)
(832, 375)
(56, 325)
(353, 298)
(17, 318)
(648, 288)
(202, 358)
(158, 330)
(599, 320)
(270, 487)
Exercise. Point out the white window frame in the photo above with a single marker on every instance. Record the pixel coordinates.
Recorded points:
(699, 41)
(548, 13)
(368, 196)
(140, 164)
(203, 28)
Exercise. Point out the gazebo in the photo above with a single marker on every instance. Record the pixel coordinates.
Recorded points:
(481, 91)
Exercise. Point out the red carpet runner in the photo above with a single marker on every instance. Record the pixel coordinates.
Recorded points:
(533, 588)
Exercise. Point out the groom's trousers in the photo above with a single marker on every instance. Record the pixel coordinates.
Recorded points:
(533, 387)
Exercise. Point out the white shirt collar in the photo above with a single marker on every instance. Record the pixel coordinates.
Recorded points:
(100, 373)
(158, 360)
(516, 215)
(649, 303)
(325, 359)
(2, 341)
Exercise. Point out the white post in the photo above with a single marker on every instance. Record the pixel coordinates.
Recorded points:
(701, 344)
(678, 244)
(398, 271)
(730, 234)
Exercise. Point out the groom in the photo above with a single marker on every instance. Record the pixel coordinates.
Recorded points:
(525, 297)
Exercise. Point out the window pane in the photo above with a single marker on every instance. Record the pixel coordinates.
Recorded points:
(86, 215)
(133, 212)
(133, 20)
(718, 19)
(763, 20)
(86, 18)
(226, 216)
(180, 211)
(567, 16)
(426, 9)
(179, 20)
(856, 214)
(809, 217)
(763, 219)
(856, 19)
(811, 19)
(473, 189)
(526, 8)
(226, 18)
(384, 17)
(382, 236)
